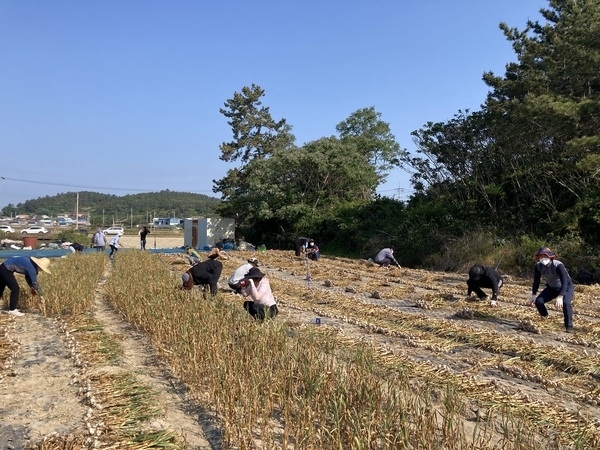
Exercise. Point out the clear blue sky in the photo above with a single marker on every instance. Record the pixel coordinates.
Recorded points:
(123, 97)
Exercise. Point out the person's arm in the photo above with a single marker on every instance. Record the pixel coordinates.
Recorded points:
(31, 276)
(536, 281)
(564, 278)
(494, 281)
(262, 293)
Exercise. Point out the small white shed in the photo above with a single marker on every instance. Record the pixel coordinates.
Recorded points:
(206, 232)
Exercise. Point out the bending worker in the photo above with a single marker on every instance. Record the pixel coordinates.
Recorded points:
(240, 273)
(487, 277)
(205, 273)
(256, 286)
(28, 266)
(385, 257)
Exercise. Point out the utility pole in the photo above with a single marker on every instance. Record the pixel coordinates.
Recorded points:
(77, 213)
(2, 178)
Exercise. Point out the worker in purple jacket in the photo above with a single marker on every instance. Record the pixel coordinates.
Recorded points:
(385, 257)
(28, 266)
(559, 286)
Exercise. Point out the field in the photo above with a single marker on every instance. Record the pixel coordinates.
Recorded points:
(401, 359)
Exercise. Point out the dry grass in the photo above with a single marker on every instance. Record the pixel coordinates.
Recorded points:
(415, 366)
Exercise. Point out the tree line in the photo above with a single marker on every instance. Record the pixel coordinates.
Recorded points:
(523, 170)
(133, 208)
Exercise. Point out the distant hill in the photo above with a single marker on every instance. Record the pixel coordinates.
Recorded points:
(138, 208)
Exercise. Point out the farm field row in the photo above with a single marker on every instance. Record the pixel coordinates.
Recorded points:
(392, 344)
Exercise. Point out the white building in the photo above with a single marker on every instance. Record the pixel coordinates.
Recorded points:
(206, 232)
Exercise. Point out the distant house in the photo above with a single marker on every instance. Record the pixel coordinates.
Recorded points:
(166, 222)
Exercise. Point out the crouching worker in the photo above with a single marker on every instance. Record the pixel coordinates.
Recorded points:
(559, 286)
(484, 277)
(205, 273)
(240, 273)
(312, 251)
(28, 266)
(256, 286)
(385, 257)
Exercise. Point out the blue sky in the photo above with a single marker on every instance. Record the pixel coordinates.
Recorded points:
(123, 96)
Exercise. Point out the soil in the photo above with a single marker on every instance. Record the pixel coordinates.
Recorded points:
(39, 397)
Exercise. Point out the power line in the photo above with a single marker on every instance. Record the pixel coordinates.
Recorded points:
(49, 183)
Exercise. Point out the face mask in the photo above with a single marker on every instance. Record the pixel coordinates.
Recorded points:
(545, 261)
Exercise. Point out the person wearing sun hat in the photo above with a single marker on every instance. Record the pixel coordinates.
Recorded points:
(240, 273)
(559, 286)
(28, 266)
(256, 286)
(205, 273)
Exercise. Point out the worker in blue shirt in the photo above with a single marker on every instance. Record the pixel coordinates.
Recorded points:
(28, 266)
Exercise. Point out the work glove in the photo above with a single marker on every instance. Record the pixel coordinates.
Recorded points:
(494, 301)
(558, 302)
(32, 291)
(532, 300)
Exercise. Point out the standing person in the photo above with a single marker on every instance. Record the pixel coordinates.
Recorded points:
(205, 273)
(385, 257)
(300, 244)
(143, 233)
(100, 240)
(486, 277)
(114, 245)
(240, 273)
(256, 286)
(559, 286)
(28, 266)
(312, 251)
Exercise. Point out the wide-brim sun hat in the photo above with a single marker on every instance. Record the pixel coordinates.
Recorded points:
(254, 273)
(544, 251)
(42, 263)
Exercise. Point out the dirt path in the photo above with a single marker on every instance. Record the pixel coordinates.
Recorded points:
(139, 358)
(38, 397)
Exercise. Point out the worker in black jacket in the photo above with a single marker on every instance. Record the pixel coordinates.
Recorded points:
(484, 277)
(205, 273)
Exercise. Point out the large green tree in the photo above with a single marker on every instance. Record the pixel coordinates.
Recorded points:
(528, 161)
(256, 136)
(279, 189)
(373, 138)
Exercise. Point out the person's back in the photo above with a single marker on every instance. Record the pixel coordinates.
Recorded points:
(481, 276)
(208, 273)
(385, 257)
(240, 273)
(99, 240)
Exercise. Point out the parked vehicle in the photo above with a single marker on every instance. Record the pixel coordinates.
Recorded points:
(34, 229)
(6, 229)
(114, 230)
